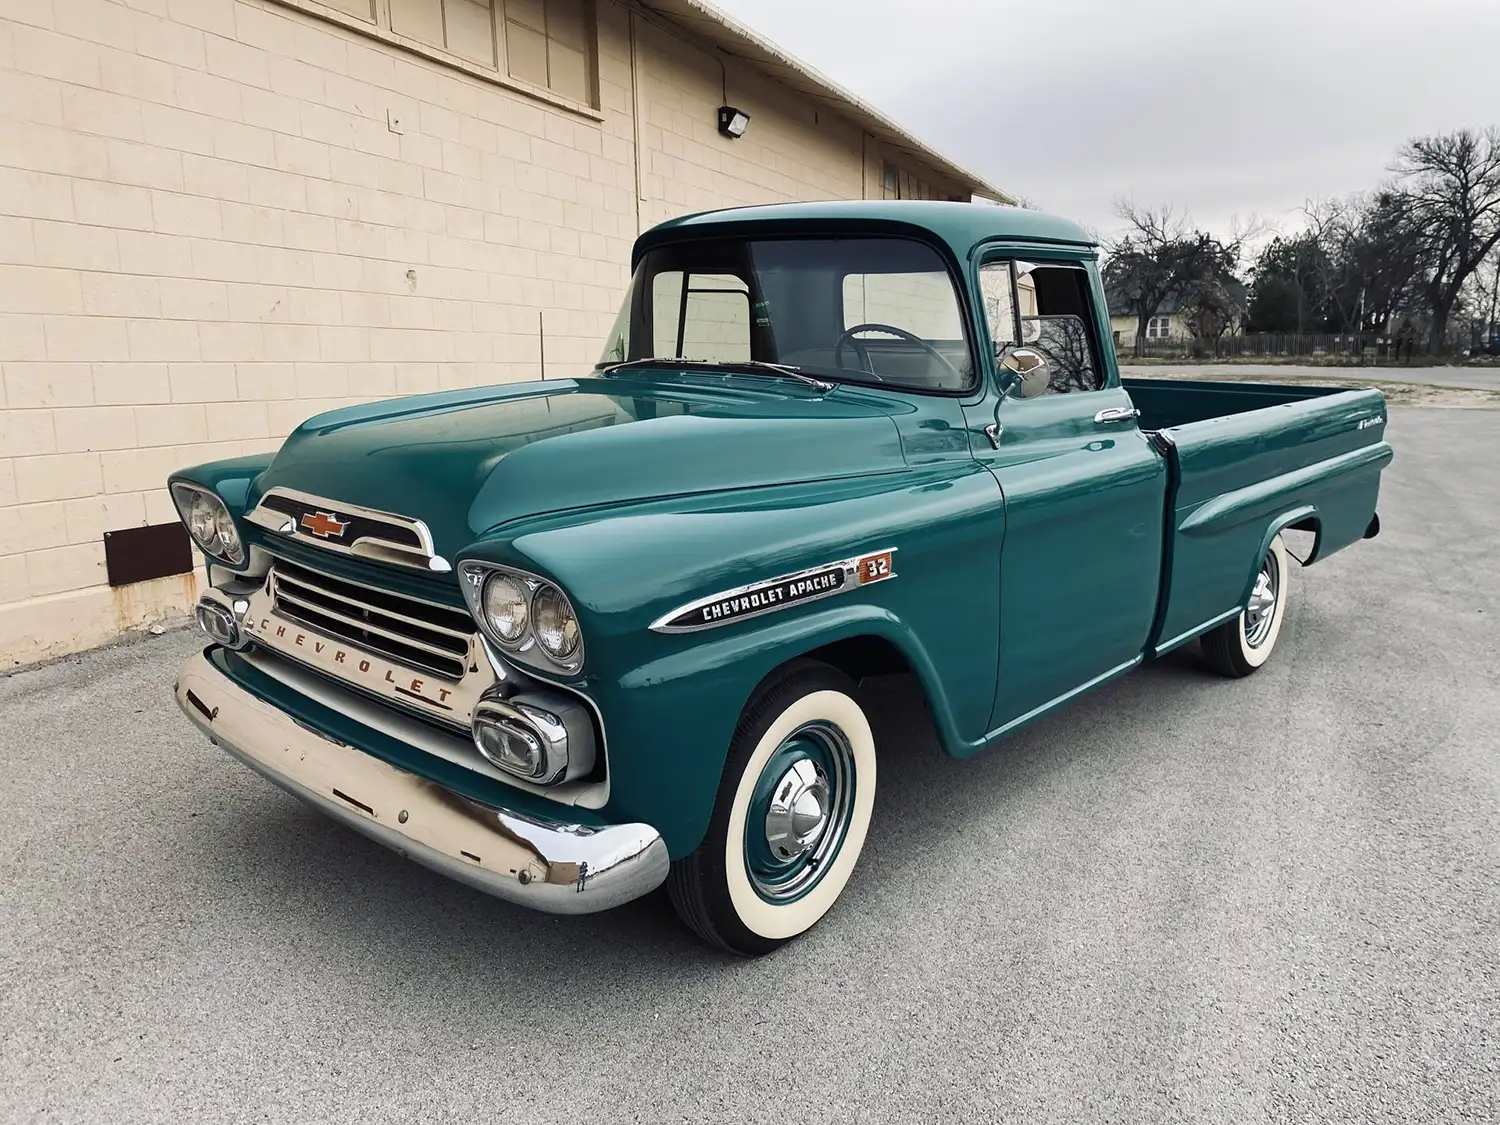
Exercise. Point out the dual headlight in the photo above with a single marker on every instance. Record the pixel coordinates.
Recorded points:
(526, 616)
(209, 523)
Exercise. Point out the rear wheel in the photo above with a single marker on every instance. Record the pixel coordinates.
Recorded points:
(1238, 647)
(790, 818)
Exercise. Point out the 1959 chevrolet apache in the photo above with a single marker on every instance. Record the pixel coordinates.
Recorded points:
(569, 640)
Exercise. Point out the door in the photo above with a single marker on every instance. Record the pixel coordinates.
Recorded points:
(1080, 564)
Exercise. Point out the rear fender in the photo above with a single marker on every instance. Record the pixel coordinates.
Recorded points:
(1304, 518)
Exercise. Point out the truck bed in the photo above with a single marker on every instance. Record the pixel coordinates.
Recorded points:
(1165, 403)
(1246, 461)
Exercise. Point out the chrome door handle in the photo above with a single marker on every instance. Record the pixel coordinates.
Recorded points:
(1116, 414)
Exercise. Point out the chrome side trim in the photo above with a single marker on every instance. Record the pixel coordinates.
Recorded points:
(426, 558)
(547, 865)
(773, 594)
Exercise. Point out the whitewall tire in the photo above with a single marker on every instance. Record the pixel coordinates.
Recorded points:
(1240, 646)
(791, 815)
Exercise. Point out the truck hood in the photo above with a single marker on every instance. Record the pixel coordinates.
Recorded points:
(465, 462)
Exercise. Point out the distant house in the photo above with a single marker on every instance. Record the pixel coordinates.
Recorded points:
(1170, 324)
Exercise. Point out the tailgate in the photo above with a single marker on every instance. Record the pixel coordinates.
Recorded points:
(1237, 480)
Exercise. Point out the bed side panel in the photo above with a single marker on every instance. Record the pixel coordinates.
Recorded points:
(1244, 477)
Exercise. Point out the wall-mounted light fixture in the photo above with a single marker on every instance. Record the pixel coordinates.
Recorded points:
(733, 122)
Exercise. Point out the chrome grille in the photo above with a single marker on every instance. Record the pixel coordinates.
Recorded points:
(416, 634)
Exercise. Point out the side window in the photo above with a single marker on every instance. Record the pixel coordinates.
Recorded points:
(700, 316)
(999, 296)
(1058, 325)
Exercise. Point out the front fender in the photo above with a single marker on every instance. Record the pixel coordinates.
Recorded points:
(232, 479)
(670, 721)
(670, 701)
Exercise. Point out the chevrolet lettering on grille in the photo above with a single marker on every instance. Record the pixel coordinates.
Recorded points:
(354, 665)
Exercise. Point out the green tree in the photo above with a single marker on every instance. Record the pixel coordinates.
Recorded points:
(1286, 293)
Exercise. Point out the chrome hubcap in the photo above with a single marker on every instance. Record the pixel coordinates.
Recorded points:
(798, 812)
(1261, 613)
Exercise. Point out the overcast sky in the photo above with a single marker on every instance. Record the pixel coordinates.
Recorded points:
(1220, 107)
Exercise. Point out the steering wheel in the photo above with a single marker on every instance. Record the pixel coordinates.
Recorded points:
(863, 352)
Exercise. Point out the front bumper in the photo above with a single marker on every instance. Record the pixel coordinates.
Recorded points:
(547, 865)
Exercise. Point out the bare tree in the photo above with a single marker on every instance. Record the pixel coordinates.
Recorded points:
(1387, 261)
(1334, 227)
(1211, 311)
(1448, 188)
(1142, 268)
(1161, 256)
(1481, 302)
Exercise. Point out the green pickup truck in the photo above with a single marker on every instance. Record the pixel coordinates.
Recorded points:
(570, 640)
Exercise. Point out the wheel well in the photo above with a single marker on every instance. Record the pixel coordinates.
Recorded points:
(864, 656)
(1314, 525)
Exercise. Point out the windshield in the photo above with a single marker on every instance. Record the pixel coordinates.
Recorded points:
(854, 310)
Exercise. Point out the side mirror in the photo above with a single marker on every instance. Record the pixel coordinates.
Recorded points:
(1025, 373)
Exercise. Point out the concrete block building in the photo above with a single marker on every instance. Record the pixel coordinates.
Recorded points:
(218, 217)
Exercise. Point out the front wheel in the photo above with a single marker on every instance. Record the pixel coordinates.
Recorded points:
(790, 818)
(1240, 646)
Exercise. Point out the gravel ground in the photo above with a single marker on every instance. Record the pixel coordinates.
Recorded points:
(1182, 899)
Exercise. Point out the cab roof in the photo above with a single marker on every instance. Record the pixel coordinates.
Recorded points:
(961, 225)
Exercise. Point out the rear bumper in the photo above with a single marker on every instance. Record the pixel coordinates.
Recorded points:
(547, 865)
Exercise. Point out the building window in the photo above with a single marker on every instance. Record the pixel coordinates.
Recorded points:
(465, 28)
(363, 9)
(549, 44)
(897, 183)
(1159, 328)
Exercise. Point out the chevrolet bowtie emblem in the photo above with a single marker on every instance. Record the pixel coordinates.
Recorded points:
(324, 524)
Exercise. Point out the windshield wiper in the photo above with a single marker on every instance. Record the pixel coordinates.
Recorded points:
(738, 366)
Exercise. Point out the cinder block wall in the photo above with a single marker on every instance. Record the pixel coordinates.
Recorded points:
(218, 217)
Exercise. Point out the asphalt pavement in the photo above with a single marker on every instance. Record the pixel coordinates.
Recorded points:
(1181, 899)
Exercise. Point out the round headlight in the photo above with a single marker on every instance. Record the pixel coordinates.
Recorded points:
(229, 537)
(209, 523)
(203, 523)
(555, 624)
(505, 606)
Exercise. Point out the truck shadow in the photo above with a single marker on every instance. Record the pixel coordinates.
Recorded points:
(403, 926)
